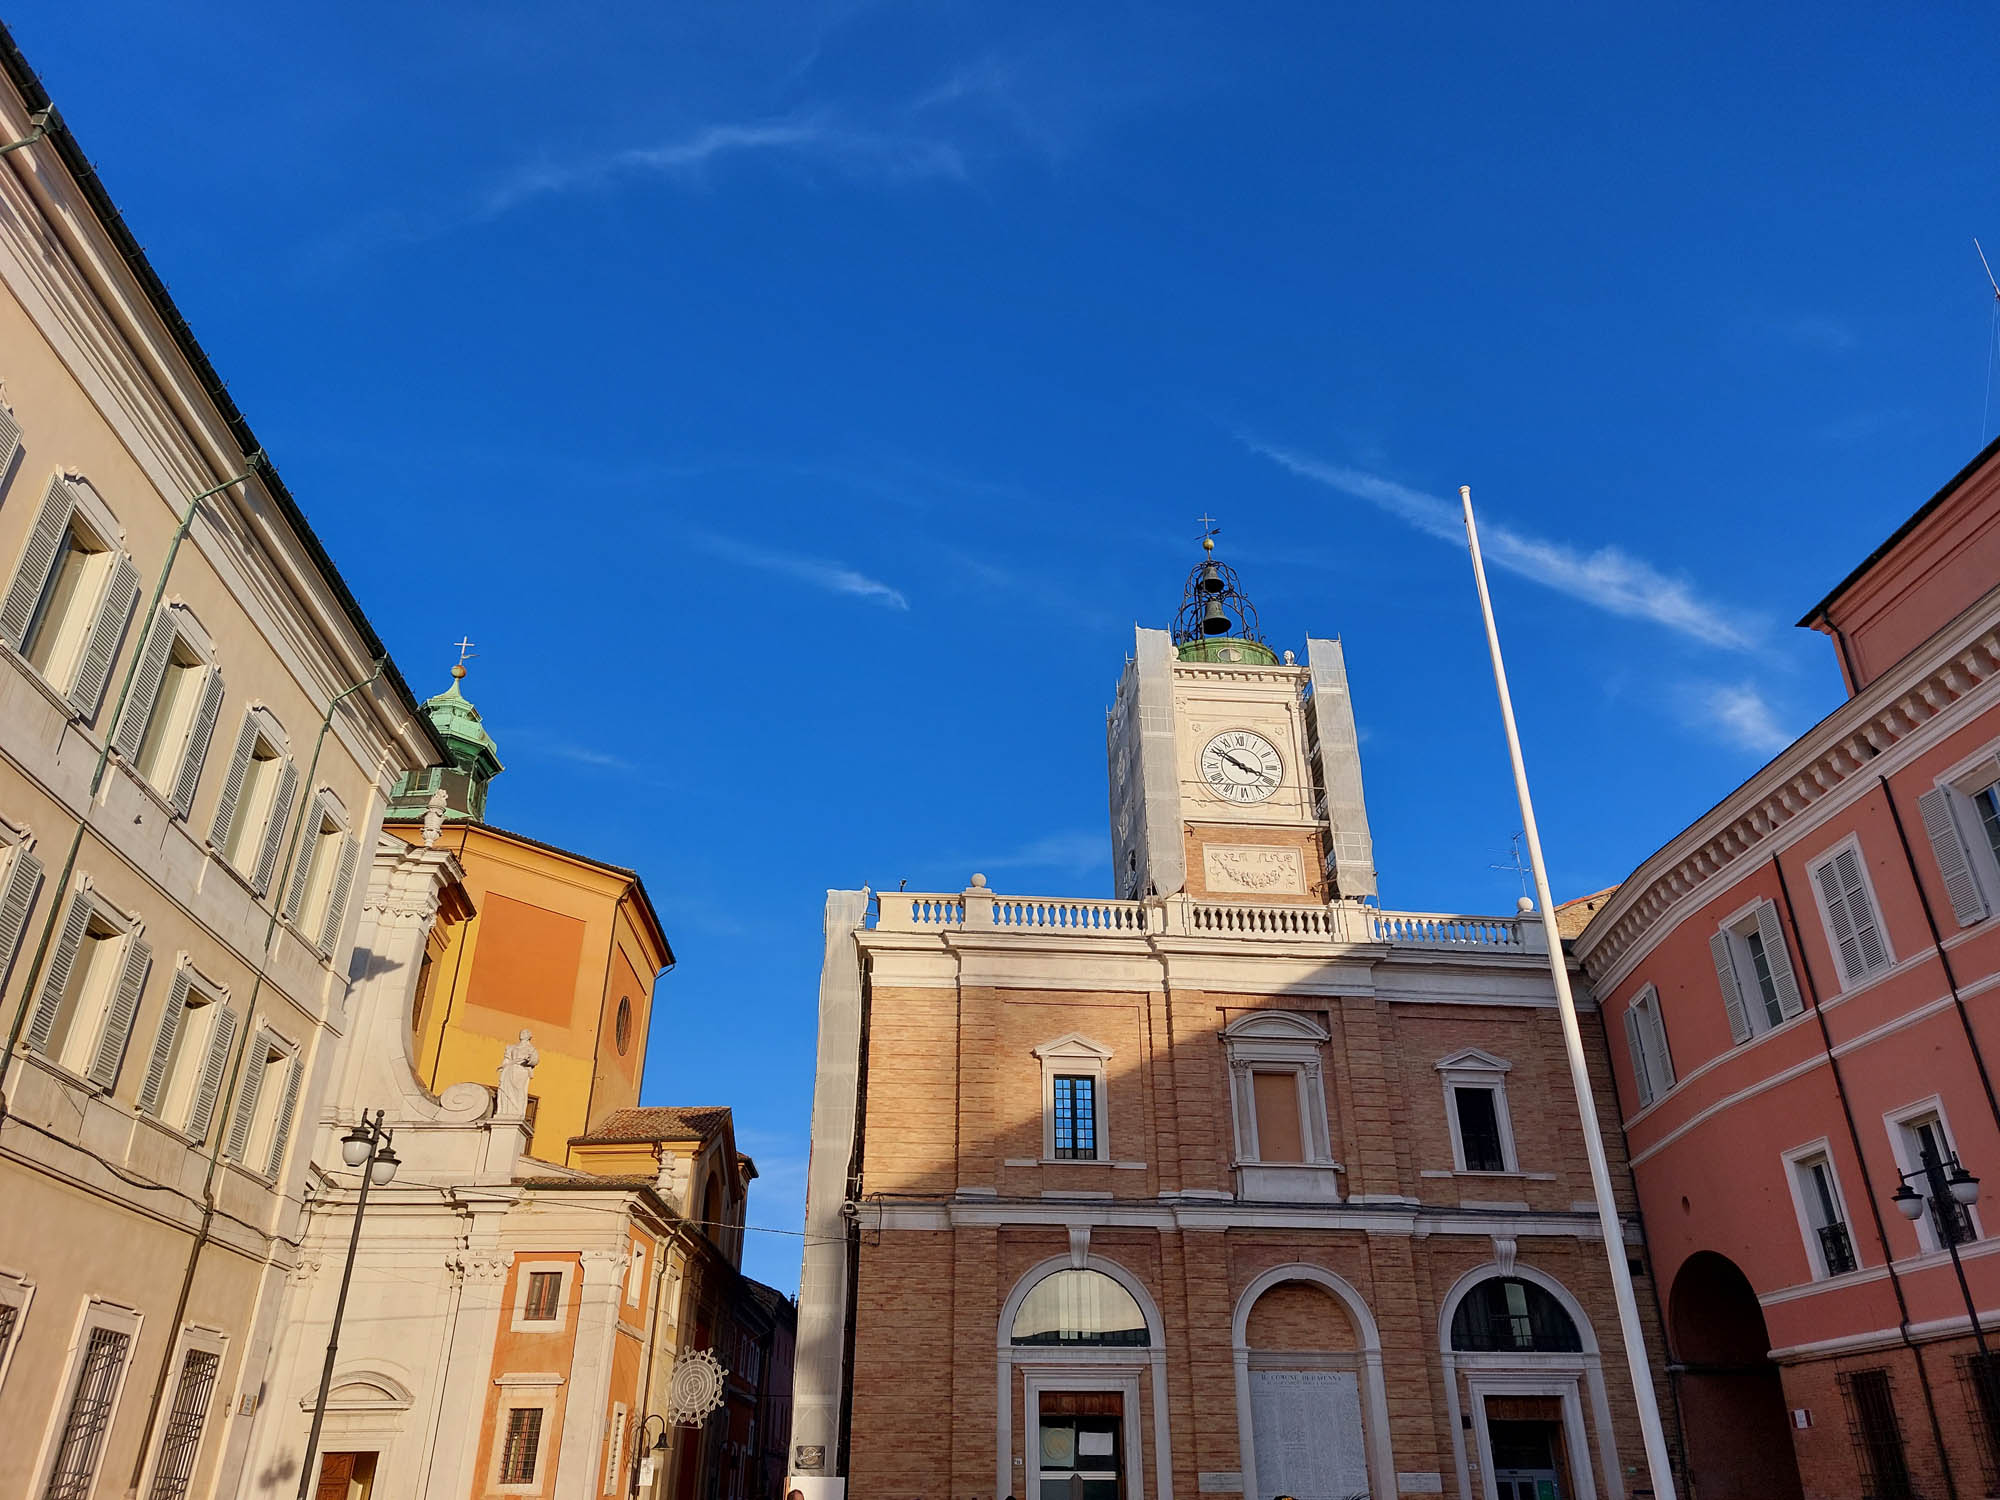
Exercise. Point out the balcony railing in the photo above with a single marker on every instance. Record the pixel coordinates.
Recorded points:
(1836, 1249)
(1340, 923)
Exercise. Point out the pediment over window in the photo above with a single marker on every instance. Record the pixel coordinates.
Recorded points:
(1472, 1060)
(1276, 1025)
(1072, 1047)
(363, 1390)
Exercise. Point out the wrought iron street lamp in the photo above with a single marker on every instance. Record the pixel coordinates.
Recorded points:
(1946, 1190)
(639, 1459)
(366, 1148)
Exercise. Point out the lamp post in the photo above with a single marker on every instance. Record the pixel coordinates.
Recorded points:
(366, 1147)
(639, 1448)
(1947, 1188)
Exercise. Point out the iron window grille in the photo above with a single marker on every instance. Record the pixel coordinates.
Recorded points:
(524, 1441)
(1981, 1376)
(1507, 1314)
(9, 1315)
(1878, 1436)
(82, 1442)
(1836, 1249)
(1076, 1118)
(544, 1293)
(180, 1439)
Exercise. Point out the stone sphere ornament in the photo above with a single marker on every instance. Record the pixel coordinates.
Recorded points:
(695, 1389)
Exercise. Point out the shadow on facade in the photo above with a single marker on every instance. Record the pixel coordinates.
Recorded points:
(1739, 1440)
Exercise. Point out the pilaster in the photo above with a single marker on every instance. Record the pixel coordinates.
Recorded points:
(590, 1374)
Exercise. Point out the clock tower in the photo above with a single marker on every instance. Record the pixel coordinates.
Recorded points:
(1235, 774)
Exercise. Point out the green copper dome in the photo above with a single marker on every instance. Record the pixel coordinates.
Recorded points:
(475, 761)
(1227, 648)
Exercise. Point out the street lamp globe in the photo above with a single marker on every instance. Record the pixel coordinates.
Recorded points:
(1909, 1202)
(384, 1169)
(354, 1146)
(1964, 1187)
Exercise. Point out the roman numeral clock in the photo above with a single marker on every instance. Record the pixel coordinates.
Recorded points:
(1240, 765)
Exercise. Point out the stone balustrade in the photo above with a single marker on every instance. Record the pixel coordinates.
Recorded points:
(977, 909)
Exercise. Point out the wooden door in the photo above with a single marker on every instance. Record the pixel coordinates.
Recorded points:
(336, 1473)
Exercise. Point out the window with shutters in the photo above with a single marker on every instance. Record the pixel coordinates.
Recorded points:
(67, 606)
(10, 440)
(1277, 1091)
(1073, 1103)
(1822, 1210)
(1753, 966)
(190, 1053)
(1475, 1096)
(1646, 1043)
(20, 883)
(91, 1387)
(83, 1015)
(1847, 907)
(199, 1361)
(323, 874)
(614, 1451)
(265, 1103)
(16, 1294)
(169, 717)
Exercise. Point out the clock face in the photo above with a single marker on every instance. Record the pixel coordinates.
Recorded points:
(1240, 765)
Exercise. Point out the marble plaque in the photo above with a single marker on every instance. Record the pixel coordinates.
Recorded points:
(1307, 1428)
(1254, 869)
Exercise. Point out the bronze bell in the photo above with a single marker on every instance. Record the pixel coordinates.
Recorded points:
(1211, 578)
(1213, 620)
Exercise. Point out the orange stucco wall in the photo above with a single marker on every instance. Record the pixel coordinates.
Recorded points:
(524, 1351)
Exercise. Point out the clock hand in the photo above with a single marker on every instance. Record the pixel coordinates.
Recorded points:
(1246, 770)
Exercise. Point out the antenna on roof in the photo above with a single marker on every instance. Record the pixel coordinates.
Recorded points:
(1992, 339)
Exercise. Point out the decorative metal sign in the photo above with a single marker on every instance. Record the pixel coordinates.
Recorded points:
(695, 1389)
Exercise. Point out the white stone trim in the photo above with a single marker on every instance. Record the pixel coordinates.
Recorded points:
(1075, 1056)
(541, 1396)
(523, 1270)
(1813, 865)
(94, 1314)
(17, 1291)
(1897, 1121)
(1471, 1068)
(1794, 1163)
(1281, 1041)
(199, 1338)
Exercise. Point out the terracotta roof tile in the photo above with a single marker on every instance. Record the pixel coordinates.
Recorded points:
(659, 1122)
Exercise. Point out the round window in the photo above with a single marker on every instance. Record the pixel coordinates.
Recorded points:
(624, 1023)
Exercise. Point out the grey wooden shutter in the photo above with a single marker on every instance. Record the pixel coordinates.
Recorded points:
(155, 1086)
(10, 440)
(212, 1069)
(61, 960)
(336, 903)
(36, 560)
(200, 732)
(139, 706)
(110, 1055)
(246, 1097)
(1959, 883)
(232, 786)
(17, 899)
(1861, 910)
(1844, 940)
(295, 898)
(1636, 1045)
(101, 650)
(1656, 1047)
(274, 828)
(1732, 992)
(281, 1132)
(1778, 959)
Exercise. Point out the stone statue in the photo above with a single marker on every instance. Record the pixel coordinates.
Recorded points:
(511, 1101)
(434, 818)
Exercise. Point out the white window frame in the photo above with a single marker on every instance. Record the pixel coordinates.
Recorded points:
(20, 888)
(525, 1392)
(80, 504)
(1735, 930)
(1797, 1163)
(196, 1338)
(259, 854)
(1281, 1041)
(95, 1313)
(1075, 1056)
(635, 1276)
(1966, 862)
(178, 776)
(261, 1154)
(1901, 1145)
(1813, 867)
(17, 1290)
(523, 1269)
(1647, 1069)
(1470, 1068)
(193, 1052)
(614, 1451)
(318, 916)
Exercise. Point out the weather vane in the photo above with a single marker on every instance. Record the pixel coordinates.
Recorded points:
(1209, 532)
(465, 654)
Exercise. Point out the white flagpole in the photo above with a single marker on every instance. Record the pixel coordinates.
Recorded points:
(1586, 1104)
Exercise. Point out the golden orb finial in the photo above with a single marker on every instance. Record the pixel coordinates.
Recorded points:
(458, 669)
(1208, 544)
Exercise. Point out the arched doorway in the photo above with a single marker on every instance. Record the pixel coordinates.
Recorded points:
(1311, 1410)
(1739, 1439)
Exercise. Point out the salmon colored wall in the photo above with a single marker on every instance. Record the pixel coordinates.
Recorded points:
(519, 1351)
(529, 959)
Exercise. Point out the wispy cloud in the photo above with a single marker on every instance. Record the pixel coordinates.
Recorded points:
(1608, 578)
(833, 577)
(854, 151)
(1738, 712)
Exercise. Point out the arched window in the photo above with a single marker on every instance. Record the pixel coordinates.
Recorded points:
(1073, 1308)
(711, 1209)
(1512, 1316)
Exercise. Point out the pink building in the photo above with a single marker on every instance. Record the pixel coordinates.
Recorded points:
(1800, 989)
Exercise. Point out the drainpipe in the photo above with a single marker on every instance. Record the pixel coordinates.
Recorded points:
(1867, 1182)
(1944, 958)
(43, 121)
(251, 465)
(228, 1096)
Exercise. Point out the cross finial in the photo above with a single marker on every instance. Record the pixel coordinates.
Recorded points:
(465, 654)
(1209, 532)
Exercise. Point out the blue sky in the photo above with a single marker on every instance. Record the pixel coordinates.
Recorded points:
(798, 404)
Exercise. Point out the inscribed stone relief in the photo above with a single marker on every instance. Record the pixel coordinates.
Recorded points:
(1256, 869)
(1307, 1428)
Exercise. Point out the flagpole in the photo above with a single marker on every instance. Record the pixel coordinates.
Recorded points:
(1586, 1103)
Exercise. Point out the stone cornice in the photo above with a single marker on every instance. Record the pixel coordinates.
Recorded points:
(1841, 746)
